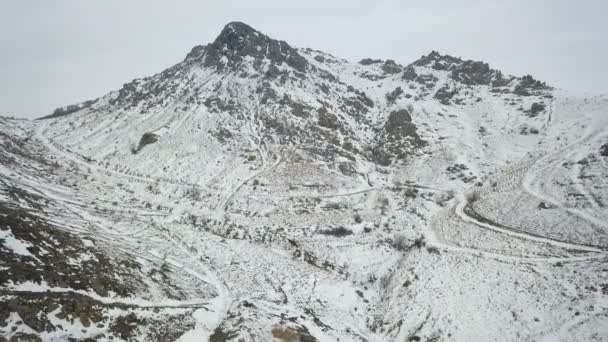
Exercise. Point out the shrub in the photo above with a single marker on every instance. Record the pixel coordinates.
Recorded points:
(411, 193)
(472, 196)
(394, 95)
(385, 281)
(336, 231)
(193, 193)
(400, 242)
(433, 250)
(419, 242)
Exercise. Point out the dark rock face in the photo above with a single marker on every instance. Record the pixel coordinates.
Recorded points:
(409, 73)
(529, 82)
(437, 61)
(396, 139)
(529, 86)
(535, 109)
(196, 52)
(296, 108)
(473, 73)
(500, 80)
(391, 67)
(604, 150)
(327, 119)
(397, 120)
(444, 94)
(467, 72)
(394, 95)
(427, 80)
(369, 61)
(147, 139)
(238, 40)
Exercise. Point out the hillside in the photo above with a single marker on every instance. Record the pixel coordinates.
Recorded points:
(258, 191)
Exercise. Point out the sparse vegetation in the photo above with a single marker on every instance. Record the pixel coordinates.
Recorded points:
(340, 231)
(400, 242)
(472, 196)
(441, 198)
(193, 193)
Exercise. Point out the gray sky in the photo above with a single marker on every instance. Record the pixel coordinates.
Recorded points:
(54, 53)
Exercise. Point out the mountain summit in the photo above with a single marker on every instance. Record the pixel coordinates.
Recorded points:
(238, 41)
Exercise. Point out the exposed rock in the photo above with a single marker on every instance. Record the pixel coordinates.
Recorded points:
(397, 120)
(369, 61)
(196, 52)
(528, 86)
(268, 93)
(397, 138)
(473, 73)
(437, 61)
(428, 80)
(297, 109)
(604, 150)
(466, 72)
(217, 105)
(535, 109)
(444, 94)
(390, 67)
(327, 119)
(126, 326)
(238, 40)
(146, 139)
(292, 334)
(394, 95)
(222, 134)
(347, 168)
(409, 73)
(500, 80)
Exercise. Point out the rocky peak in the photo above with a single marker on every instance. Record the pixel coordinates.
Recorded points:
(239, 40)
(239, 37)
(467, 72)
(437, 61)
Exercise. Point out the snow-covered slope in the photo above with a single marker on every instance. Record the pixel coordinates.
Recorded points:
(257, 191)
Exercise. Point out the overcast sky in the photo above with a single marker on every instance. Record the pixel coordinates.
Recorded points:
(54, 53)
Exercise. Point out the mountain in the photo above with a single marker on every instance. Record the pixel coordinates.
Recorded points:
(257, 191)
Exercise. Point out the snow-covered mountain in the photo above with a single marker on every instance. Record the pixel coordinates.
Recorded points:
(256, 191)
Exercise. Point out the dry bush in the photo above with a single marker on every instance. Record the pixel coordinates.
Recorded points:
(472, 196)
(336, 231)
(193, 193)
(400, 242)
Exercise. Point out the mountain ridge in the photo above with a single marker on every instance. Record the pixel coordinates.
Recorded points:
(229, 39)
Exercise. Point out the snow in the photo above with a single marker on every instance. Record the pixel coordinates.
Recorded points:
(15, 245)
(237, 222)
